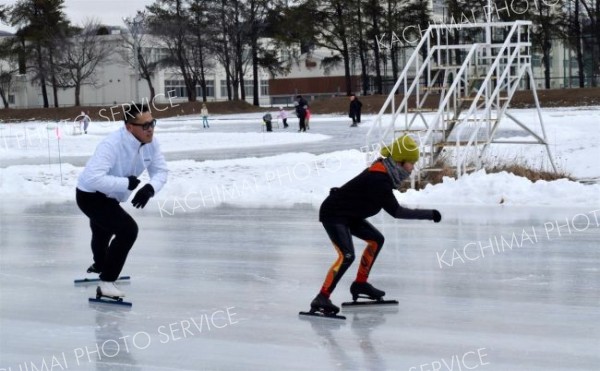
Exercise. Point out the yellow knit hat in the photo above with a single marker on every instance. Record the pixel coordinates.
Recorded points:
(403, 149)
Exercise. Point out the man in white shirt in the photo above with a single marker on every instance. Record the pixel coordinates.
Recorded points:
(109, 177)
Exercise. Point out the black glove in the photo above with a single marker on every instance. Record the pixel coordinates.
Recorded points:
(142, 196)
(133, 183)
(437, 217)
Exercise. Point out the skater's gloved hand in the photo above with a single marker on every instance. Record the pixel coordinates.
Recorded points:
(436, 217)
(133, 182)
(142, 196)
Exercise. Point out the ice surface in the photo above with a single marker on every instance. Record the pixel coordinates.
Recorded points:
(249, 271)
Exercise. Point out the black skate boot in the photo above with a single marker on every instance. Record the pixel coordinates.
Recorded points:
(94, 269)
(323, 304)
(365, 290)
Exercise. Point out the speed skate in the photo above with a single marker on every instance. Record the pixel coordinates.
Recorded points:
(94, 280)
(364, 290)
(321, 314)
(100, 298)
(369, 302)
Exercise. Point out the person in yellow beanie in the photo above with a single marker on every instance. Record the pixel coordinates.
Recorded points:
(344, 213)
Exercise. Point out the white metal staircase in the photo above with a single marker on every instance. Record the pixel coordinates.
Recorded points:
(446, 104)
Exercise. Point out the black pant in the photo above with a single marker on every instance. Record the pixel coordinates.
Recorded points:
(108, 219)
(341, 236)
(285, 124)
(302, 123)
(269, 125)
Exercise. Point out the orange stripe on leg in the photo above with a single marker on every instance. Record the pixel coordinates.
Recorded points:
(366, 261)
(333, 270)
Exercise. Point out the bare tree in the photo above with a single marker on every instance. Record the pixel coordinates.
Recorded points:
(257, 17)
(393, 24)
(169, 20)
(374, 12)
(575, 40)
(549, 24)
(223, 47)
(336, 19)
(83, 54)
(135, 54)
(199, 50)
(592, 10)
(362, 45)
(229, 44)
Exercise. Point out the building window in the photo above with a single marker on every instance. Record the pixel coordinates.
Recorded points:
(536, 61)
(11, 99)
(248, 87)
(210, 89)
(158, 55)
(264, 87)
(178, 89)
(175, 88)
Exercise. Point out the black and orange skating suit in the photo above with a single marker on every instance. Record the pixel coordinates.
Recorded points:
(344, 213)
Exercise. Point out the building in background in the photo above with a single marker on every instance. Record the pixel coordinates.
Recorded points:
(118, 81)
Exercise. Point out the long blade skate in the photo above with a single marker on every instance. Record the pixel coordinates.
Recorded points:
(94, 280)
(108, 299)
(321, 314)
(369, 301)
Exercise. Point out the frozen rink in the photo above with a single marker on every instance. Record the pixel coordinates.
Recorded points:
(220, 290)
(491, 287)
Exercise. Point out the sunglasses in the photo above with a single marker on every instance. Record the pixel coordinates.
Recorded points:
(146, 125)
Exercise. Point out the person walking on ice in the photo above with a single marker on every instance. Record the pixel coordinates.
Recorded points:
(267, 121)
(283, 116)
(204, 113)
(86, 121)
(344, 213)
(109, 177)
(355, 108)
(301, 106)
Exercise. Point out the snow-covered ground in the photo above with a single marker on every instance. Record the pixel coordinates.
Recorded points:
(294, 176)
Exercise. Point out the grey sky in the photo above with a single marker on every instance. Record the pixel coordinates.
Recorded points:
(109, 12)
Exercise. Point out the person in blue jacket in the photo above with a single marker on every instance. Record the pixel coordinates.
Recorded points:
(344, 213)
(109, 178)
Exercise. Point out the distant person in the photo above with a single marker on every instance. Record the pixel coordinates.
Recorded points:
(345, 211)
(355, 107)
(109, 177)
(301, 106)
(267, 120)
(86, 121)
(283, 116)
(204, 113)
(307, 121)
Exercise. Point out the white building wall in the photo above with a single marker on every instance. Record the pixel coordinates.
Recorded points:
(116, 84)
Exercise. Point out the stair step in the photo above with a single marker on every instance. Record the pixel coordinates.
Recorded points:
(470, 120)
(412, 110)
(433, 88)
(447, 67)
(411, 130)
(483, 78)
